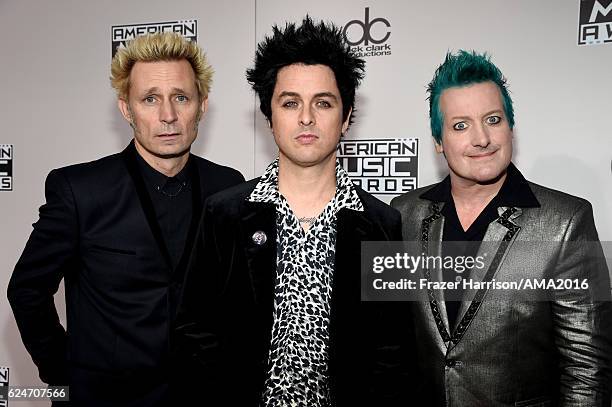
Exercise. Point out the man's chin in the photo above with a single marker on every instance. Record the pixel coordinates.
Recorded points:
(308, 160)
(166, 155)
(491, 178)
(167, 151)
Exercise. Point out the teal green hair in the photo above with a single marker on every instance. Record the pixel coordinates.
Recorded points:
(463, 69)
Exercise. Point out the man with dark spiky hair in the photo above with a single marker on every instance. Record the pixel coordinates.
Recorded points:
(490, 347)
(271, 312)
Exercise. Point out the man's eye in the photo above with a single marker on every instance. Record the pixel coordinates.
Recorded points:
(460, 126)
(290, 104)
(182, 98)
(149, 99)
(493, 119)
(324, 104)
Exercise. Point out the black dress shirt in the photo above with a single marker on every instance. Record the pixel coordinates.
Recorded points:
(515, 192)
(172, 201)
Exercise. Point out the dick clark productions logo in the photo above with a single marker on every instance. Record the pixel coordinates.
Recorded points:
(368, 37)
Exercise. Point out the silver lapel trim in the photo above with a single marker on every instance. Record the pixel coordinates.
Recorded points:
(441, 319)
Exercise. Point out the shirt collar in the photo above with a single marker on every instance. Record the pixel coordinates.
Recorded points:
(266, 189)
(346, 194)
(515, 191)
(154, 178)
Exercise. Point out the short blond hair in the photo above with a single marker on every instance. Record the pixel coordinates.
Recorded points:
(165, 46)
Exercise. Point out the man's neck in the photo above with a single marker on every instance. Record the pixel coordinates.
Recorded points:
(471, 199)
(169, 166)
(307, 189)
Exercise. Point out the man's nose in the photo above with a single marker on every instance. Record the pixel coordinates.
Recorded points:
(481, 136)
(167, 113)
(306, 116)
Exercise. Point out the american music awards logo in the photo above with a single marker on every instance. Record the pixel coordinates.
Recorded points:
(4, 386)
(6, 168)
(381, 166)
(595, 22)
(120, 34)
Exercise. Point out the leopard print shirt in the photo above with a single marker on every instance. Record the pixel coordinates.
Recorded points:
(297, 363)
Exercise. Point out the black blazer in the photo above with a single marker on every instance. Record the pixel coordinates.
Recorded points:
(225, 319)
(98, 231)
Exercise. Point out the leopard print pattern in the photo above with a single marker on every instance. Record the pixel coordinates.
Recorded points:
(298, 356)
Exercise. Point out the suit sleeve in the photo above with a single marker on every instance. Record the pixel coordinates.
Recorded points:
(47, 257)
(583, 320)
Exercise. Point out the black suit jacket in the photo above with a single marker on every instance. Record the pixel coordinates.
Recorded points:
(225, 319)
(98, 231)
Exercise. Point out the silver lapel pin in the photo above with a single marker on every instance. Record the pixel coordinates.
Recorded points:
(259, 238)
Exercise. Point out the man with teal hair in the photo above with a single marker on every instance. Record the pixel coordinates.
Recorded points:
(463, 69)
(483, 346)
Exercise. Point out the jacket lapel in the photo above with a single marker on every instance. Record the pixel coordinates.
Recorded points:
(432, 228)
(145, 200)
(196, 212)
(497, 241)
(352, 228)
(259, 242)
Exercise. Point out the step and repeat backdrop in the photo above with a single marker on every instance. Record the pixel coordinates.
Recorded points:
(57, 106)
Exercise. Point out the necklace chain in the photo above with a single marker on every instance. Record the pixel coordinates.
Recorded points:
(307, 219)
(172, 195)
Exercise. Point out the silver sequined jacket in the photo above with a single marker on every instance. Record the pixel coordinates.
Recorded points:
(505, 351)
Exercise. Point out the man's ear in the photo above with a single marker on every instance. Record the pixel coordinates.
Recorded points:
(269, 122)
(438, 146)
(124, 108)
(204, 106)
(346, 122)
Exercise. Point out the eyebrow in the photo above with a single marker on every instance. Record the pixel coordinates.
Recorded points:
(486, 114)
(316, 95)
(494, 111)
(156, 90)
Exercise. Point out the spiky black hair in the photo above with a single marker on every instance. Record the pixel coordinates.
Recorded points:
(309, 44)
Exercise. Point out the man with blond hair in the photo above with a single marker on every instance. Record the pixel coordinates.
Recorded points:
(119, 231)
